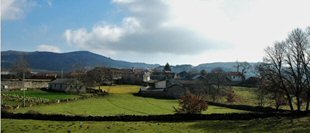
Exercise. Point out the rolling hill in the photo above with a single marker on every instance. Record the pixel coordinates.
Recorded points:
(49, 61)
(65, 61)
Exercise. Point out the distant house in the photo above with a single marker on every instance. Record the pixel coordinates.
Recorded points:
(67, 85)
(135, 76)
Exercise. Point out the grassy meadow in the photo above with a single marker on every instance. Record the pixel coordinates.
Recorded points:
(245, 96)
(120, 88)
(280, 125)
(121, 101)
(117, 104)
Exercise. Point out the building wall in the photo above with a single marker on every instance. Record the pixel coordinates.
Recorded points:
(236, 78)
(161, 84)
(175, 91)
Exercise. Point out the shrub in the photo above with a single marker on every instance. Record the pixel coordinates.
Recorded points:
(191, 104)
(231, 96)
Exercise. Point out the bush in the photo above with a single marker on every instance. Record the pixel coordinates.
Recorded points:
(191, 104)
(231, 96)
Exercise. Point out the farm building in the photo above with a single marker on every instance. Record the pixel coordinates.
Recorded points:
(67, 85)
(172, 88)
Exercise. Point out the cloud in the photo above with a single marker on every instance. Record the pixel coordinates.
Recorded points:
(144, 30)
(48, 48)
(50, 3)
(216, 30)
(15, 9)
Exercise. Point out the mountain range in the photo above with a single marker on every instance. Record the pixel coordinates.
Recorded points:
(49, 61)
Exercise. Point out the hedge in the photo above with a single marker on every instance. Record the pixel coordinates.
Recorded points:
(164, 118)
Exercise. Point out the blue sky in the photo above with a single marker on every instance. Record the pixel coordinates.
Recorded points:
(45, 24)
(152, 31)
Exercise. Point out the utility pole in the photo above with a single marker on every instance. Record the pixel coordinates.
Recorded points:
(62, 74)
(24, 89)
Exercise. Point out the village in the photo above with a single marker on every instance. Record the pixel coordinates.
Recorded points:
(154, 83)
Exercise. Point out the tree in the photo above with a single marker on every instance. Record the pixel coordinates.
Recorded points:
(286, 68)
(297, 45)
(167, 68)
(191, 104)
(218, 83)
(306, 64)
(272, 71)
(243, 68)
(21, 67)
(79, 72)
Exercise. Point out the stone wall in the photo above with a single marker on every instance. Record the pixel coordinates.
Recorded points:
(16, 84)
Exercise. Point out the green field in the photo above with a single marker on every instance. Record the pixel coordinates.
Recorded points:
(117, 104)
(120, 101)
(245, 96)
(280, 125)
(42, 94)
(120, 88)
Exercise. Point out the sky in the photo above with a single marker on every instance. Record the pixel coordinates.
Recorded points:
(152, 31)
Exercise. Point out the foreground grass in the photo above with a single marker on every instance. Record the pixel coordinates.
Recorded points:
(42, 94)
(260, 125)
(120, 88)
(117, 104)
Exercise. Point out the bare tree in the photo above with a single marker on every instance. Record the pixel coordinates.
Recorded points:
(273, 70)
(218, 83)
(79, 72)
(306, 65)
(243, 68)
(21, 67)
(269, 88)
(287, 68)
(297, 44)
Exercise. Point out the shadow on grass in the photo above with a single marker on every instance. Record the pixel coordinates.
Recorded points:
(296, 124)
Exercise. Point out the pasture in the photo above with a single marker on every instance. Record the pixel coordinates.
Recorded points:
(120, 88)
(117, 104)
(260, 125)
(121, 101)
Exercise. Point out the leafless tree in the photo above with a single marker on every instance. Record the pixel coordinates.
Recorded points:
(287, 68)
(243, 68)
(21, 67)
(79, 72)
(218, 83)
(297, 44)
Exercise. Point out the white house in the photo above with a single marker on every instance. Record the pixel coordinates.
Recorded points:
(235, 76)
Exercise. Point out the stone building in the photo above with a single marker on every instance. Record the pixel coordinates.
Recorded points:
(67, 85)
